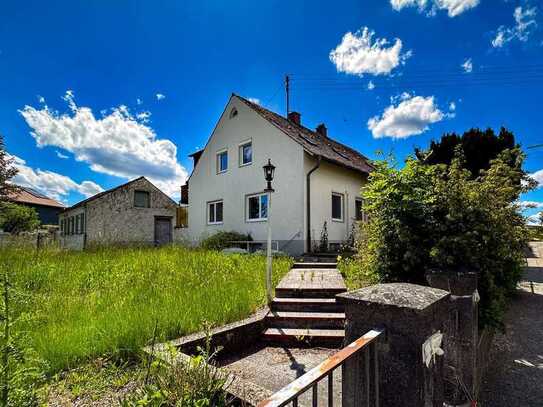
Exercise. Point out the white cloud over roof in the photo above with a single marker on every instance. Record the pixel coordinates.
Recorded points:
(411, 116)
(359, 53)
(52, 184)
(118, 143)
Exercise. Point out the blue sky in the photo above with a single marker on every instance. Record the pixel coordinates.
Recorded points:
(95, 93)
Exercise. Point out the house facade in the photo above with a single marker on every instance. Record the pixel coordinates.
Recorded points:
(133, 213)
(48, 209)
(317, 180)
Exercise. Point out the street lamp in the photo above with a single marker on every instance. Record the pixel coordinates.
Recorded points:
(269, 170)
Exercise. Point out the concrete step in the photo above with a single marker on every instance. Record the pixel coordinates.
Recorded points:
(314, 265)
(308, 292)
(306, 305)
(305, 320)
(301, 337)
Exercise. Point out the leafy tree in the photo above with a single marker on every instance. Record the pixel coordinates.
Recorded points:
(540, 216)
(7, 172)
(18, 218)
(438, 217)
(479, 147)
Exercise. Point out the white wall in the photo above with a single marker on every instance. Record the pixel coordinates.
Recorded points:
(326, 179)
(232, 187)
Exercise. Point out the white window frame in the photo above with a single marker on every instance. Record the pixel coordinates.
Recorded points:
(240, 152)
(247, 212)
(218, 159)
(342, 196)
(208, 212)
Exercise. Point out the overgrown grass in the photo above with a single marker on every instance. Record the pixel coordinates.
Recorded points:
(353, 273)
(80, 305)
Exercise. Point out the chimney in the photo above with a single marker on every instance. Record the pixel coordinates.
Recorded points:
(295, 117)
(321, 129)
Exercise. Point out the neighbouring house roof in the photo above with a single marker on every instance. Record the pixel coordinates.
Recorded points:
(29, 196)
(313, 142)
(92, 198)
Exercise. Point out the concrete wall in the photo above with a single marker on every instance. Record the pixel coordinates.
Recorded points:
(326, 179)
(112, 218)
(237, 182)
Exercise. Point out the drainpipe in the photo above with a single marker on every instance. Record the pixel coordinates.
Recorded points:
(308, 184)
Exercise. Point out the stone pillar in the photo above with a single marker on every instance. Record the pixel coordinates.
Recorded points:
(409, 314)
(462, 331)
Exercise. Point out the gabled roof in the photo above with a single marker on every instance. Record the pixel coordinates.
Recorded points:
(30, 196)
(313, 142)
(100, 194)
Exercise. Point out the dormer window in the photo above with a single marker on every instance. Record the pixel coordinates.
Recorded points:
(222, 161)
(233, 113)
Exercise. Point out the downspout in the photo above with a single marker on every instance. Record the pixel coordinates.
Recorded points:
(308, 185)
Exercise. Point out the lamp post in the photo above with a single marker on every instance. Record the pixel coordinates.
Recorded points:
(269, 170)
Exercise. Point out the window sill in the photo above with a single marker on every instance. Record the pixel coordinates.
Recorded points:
(214, 223)
(222, 172)
(256, 220)
(338, 220)
(246, 164)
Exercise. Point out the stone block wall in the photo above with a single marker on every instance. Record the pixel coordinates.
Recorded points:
(112, 217)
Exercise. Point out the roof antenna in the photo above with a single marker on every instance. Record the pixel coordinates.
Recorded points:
(287, 91)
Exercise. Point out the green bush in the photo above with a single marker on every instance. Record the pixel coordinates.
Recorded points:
(428, 217)
(18, 218)
(222, 240)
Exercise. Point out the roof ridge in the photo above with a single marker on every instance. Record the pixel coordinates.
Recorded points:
(358, 161)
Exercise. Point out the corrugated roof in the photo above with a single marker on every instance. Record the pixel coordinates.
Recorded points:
(314, 142)
(30, 196)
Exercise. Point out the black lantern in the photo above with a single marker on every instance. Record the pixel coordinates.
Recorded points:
(269, 170)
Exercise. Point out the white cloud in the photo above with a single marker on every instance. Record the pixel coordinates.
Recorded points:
(144, 117)
(452, 106)
(256, 101)
(530, 204)
(50, 183)
(160, 96)
(467, 66)
(525, 23)
(410, 117)
(139, 101)
(371, 85)
(538, 177)
(533, 220)
(359, 54)
(118, 143)
(454, 7)
(60, 155)
(41, 99)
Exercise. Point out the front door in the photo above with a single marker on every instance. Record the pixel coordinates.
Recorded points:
(163, 230)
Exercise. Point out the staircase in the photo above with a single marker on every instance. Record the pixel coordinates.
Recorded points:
(304, 310)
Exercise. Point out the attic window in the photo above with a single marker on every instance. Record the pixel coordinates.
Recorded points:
(141, 199)
(233, 113)
(341, 153)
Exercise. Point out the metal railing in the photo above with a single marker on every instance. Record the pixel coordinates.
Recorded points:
(354, 360)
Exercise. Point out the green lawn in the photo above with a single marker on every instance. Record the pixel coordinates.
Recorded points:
(79, 305)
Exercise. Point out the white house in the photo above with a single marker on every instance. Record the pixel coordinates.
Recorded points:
(317, 180)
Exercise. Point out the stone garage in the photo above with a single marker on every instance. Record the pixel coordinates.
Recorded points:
(133, 213)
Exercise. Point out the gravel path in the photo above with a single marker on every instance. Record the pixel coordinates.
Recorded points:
(515, 376)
